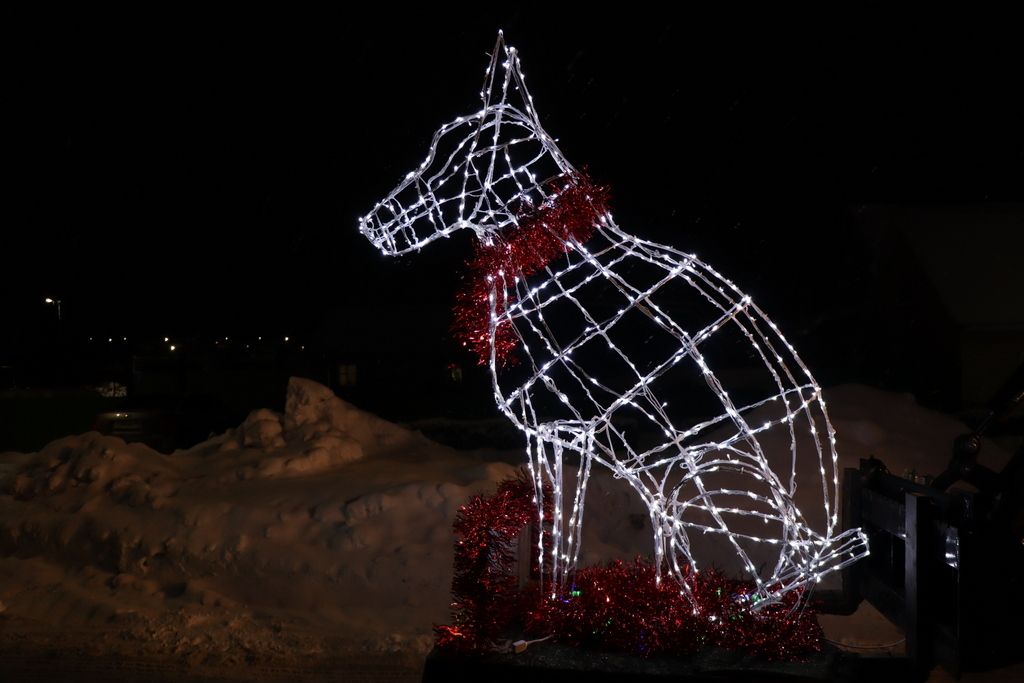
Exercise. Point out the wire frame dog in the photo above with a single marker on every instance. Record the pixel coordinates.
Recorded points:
(606, 332)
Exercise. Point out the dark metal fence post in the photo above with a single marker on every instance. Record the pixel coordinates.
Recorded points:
(851, 520)
(917, 565)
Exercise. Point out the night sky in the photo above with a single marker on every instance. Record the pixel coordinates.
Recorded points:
(199, 174)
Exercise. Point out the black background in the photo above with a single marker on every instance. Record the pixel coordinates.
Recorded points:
(191, 174)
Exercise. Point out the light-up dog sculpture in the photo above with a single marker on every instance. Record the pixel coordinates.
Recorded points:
(583, 348)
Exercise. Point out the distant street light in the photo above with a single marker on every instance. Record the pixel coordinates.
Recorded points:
(54, 301)
(172, 347)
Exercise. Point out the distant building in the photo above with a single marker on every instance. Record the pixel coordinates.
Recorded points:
(968, 307)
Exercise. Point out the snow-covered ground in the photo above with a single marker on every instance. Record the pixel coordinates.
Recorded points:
(322, 528)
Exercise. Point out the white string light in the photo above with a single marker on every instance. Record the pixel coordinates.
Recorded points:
(469, 180)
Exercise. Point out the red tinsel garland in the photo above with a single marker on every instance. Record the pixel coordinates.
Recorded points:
(538, 239)
(622, 607)
(485, 586)
(617, 607)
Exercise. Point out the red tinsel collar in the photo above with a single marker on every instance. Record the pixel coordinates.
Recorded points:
(538, 239)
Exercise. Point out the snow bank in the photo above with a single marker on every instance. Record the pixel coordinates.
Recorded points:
(317, 432)
(325, 517)
(324, 521)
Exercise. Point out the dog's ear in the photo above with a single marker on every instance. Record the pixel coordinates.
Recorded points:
(504, 82)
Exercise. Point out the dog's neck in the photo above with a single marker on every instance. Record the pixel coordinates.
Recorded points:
(541, 235)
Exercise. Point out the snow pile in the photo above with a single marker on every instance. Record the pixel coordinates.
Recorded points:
(323, 518)
(317, 432)
(324, 524)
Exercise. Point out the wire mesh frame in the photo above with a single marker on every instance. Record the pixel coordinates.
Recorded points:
(469, 180)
